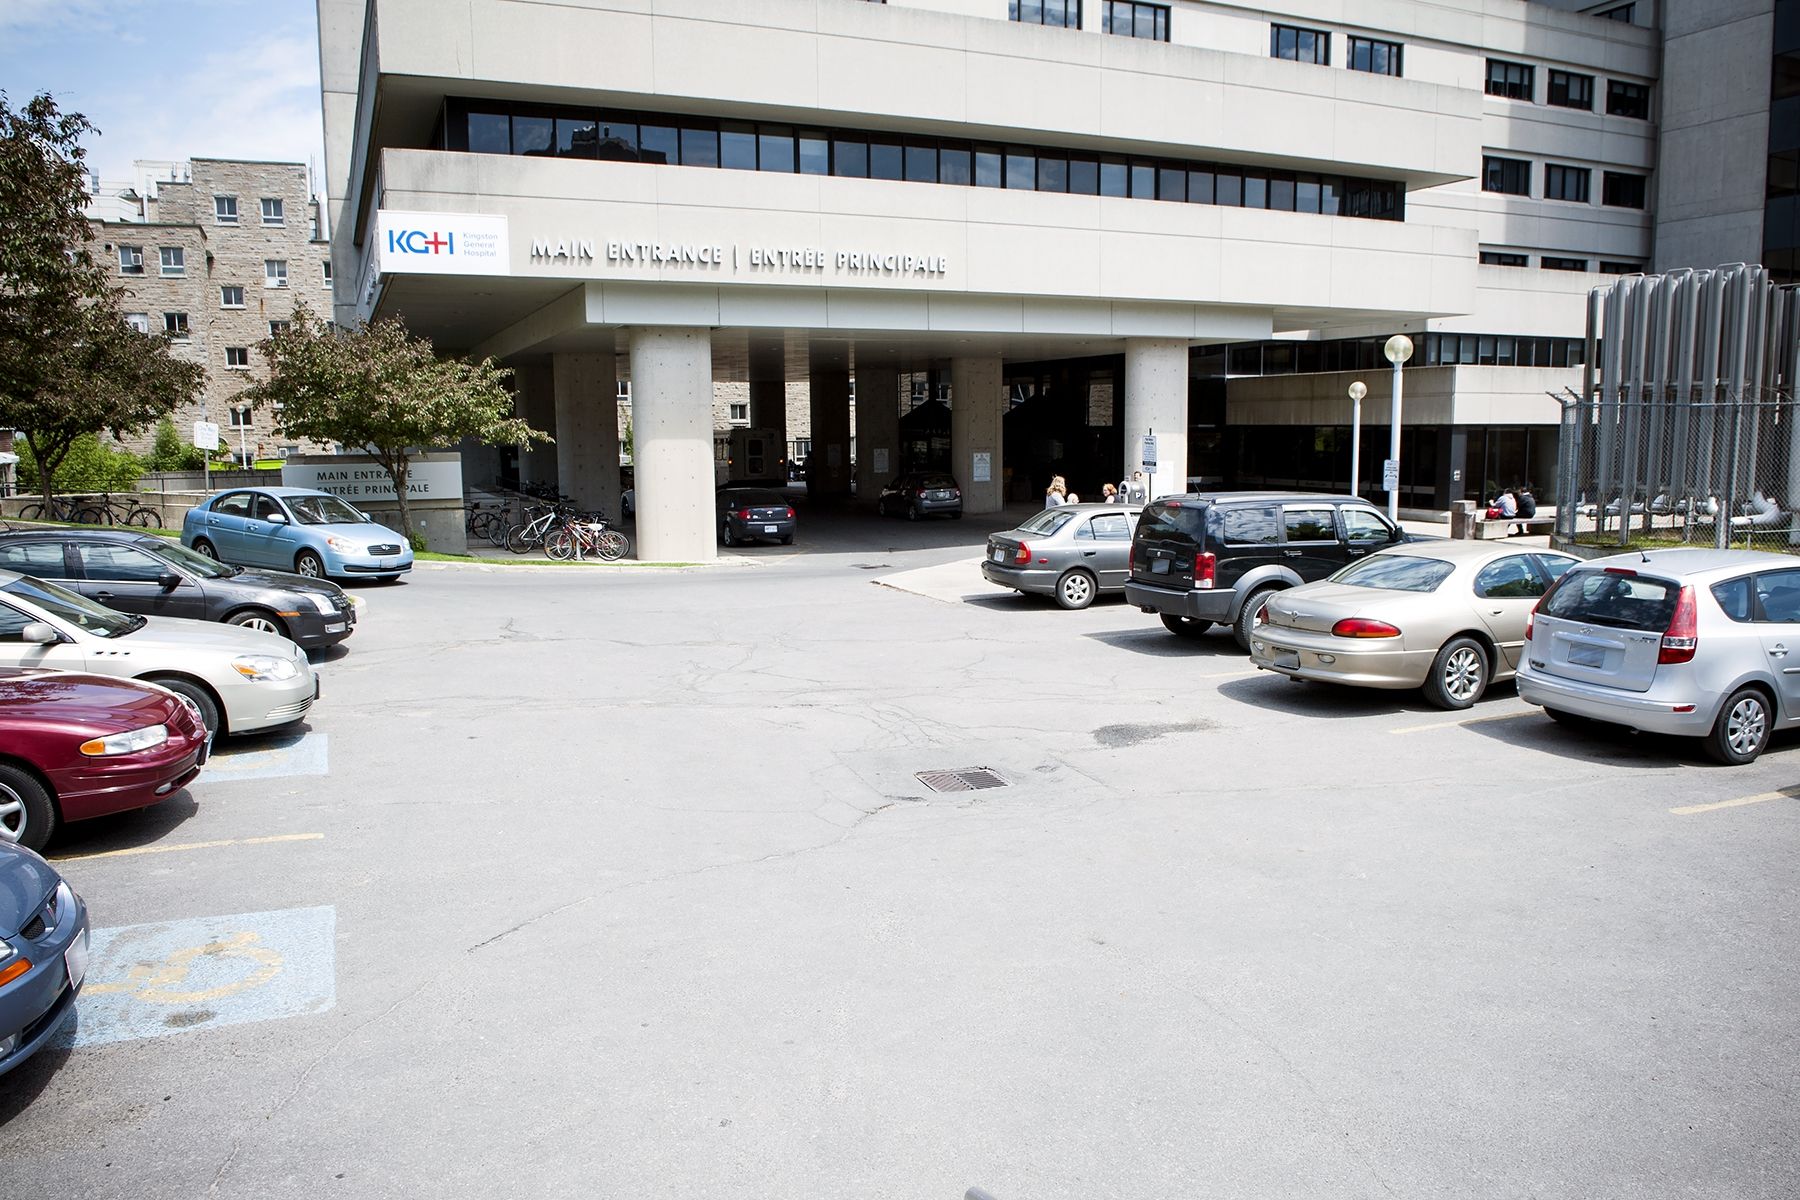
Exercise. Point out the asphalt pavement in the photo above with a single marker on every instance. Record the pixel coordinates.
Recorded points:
(587, 881)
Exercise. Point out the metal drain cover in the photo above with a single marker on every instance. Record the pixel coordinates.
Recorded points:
(965, 779)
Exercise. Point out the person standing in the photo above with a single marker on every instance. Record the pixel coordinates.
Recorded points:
(1057, 494)
(1109, 494)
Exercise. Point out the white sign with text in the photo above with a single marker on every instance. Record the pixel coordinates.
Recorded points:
(420, 243)
(370, 482)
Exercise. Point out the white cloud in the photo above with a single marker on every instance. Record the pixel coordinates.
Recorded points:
(31, 19)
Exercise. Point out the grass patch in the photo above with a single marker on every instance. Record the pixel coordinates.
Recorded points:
(16, 523)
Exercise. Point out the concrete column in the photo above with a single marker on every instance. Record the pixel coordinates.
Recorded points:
(672, 441)
(587, 430)
(828, 465)
(537, 404)
(1156, 400)
(977, 402)
(877, 430)
(768, 390)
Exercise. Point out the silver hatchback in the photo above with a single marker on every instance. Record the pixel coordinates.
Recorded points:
(1696, 643)
(1074, 553)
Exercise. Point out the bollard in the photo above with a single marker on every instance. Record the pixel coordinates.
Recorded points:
(1462, 519)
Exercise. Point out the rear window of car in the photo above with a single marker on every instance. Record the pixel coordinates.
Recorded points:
(1395, 573)
(1048, 521)
(938, 481)
(1616, 601)
(754, 497)
(1173, 522)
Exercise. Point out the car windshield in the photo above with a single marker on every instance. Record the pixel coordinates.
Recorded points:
(1048, 521)
(199, 564)
(1396, 573)
(324, 510)
(78, 611)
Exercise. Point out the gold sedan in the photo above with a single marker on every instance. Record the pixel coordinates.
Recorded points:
(1446, 617)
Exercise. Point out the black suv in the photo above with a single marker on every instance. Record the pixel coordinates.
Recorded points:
(1213, 559)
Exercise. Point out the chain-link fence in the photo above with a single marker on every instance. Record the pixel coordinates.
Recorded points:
(1662, 472)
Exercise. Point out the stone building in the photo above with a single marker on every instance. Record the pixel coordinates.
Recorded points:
(216, 254)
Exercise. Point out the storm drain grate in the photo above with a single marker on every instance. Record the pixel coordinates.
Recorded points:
(967, 779)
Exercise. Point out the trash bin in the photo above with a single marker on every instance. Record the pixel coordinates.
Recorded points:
(1462, 519)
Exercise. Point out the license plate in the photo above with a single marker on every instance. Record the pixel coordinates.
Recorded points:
(999, 556)
(1159, 566)
(1587, 656)
(769, 529)
(76, 959)
(1285, 658)
(334, 627)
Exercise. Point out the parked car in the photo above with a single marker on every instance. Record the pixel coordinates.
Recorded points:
(240, 679)
(921, 494)
(80, 746)
(1215, 558)
(43, 953)
(1695, 643)
(145, 574)
(315, 534)
(754, 515)
(1446, 617)
(1073, 553)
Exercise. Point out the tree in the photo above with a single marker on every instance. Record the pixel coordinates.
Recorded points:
(171, 452)
(378, 387)
(69, 365)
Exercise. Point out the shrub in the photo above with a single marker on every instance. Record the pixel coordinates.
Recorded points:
(170, 453)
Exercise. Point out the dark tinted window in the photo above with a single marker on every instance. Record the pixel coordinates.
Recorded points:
(1509, 578)
(1362, 527)
(533, 135)
(1249, 527)
(235, 505)
(13, 623)
(1395, 573)
(1778, 596)
(1734, 597)
(1173, 523)
(490, 133)
(938, 481)
(752, 496)
(1616, 601)
(1310, 525)
(120, 563)
(267, 509)
(43, 559)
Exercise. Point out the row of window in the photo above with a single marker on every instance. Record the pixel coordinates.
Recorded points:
(1122, 18)
(1567, 89)
(483, 128)
(1431, 350)
(1297, 44)
(175, 328)
(1556, 262)
(225, 211)
(174, 265)
(1512, 177)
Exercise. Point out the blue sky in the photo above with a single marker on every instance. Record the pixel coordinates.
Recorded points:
(173, 80)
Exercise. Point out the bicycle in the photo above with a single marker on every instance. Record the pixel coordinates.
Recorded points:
(479, 521)
(108, 511)
(539, 520)
(62, 508)
(580, 537)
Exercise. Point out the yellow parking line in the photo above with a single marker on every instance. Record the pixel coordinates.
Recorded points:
(1511, 716)
(1688, 810)
(171, 849)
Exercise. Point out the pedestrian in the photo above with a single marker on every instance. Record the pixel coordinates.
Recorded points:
(1136, 491)
(1109, 494)
(1057, 494)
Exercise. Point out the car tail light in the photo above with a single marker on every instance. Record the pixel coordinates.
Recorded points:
(956, 493)
(921, 493)
(1131, 559)
(1262, 615)
(1683, 636)
(743, 514)
(1627, 571)
(790, 514)
(1363, 627)
(1022, 554)
(1528, 621)
(1204, 566)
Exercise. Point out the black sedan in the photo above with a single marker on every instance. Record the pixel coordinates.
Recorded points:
(142, 573)
(754, 515)
(921, 494)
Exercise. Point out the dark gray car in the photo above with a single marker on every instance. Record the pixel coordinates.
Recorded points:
(1074, 552)
(43, 952)
(154, 577)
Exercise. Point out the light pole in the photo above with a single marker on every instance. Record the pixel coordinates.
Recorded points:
(1358, 390)
(1399, 348)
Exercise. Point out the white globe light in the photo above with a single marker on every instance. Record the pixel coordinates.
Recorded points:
(1399, 348)
(1358, 390)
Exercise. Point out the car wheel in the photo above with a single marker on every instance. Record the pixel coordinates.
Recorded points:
(209, 708)
(309, 564)
(202, 546)
(912, 511)
(1459, 674)
(1245, 624)
(1742, 729)
(1075, 590)
(260, 620)
(788, 540)
(730, 537)
(1187, 627)
(27, 816)
(957, 515)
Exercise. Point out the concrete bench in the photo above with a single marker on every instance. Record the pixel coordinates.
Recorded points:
(1498, 526)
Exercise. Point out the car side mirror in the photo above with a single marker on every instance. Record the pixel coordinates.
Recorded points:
(169, 581)
(41, 633)
(279, 518)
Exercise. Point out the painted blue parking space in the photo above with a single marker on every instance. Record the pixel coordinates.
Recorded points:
(173, 977)
(279, 757)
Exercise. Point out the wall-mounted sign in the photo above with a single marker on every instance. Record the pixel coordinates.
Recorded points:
(981, 467)
(416, 243)
(358, 480)
(743, 258)
(1149, 455)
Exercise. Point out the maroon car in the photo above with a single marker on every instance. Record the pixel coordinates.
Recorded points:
(79, 746)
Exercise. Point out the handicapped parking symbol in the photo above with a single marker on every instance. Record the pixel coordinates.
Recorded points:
(157, 983)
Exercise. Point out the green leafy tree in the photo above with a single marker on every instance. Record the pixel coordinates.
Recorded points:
(171, 452)
(91, 465)
(69, 365)
(380, 388)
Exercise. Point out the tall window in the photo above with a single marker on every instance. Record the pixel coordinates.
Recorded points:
(131, 260)
(175, 324)
(272, 211)
(1627, 100)
(174, 260)
(1130, 19)
(1619, 190)
(325, 269)
(1569, 90)
(1375, 57)
(225, 210)
(1554, 263)
(231, 295)
(237, 358)
(1300, 45)
(1511, 176)
(1515, 81)
(241, 418)
(275, 272)
(1566, 183)
(1064, 14)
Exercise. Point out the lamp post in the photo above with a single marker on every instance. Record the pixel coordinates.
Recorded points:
(1358, 390)
(1399, 348)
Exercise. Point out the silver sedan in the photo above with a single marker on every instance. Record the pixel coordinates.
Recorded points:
(1073, 553)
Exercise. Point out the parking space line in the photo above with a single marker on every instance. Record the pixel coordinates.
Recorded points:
(180, 846)
(1511, 716)
(1688, 810)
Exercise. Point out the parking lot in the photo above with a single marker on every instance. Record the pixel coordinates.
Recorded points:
(589, 881)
